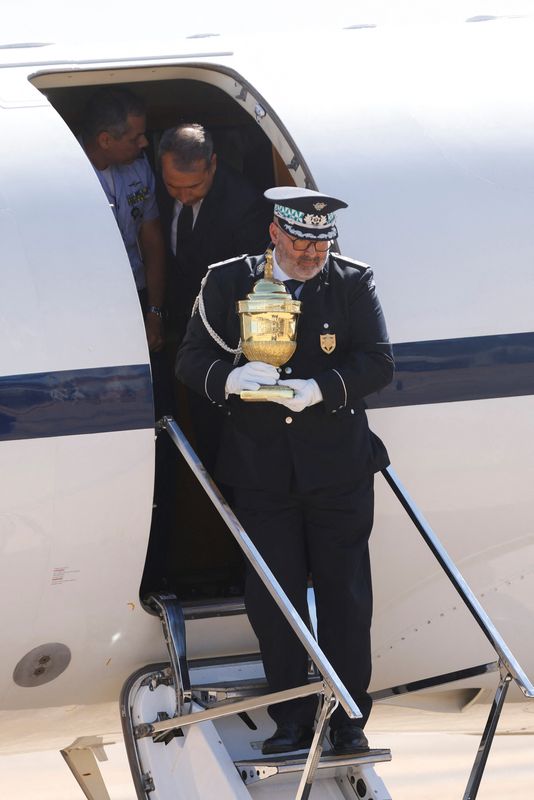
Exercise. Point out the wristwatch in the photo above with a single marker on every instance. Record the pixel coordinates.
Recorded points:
(157, 310)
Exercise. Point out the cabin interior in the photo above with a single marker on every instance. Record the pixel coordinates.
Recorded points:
(191, 552)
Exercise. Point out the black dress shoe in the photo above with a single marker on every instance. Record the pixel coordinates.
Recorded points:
(287, 737)
(348, 739)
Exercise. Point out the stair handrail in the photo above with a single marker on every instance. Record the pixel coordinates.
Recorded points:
(329, 675)
(460, 584)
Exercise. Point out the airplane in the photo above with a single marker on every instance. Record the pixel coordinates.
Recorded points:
(427, 135)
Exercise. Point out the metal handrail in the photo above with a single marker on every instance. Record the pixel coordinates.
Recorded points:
(460, 584)
(508, 664)
(484, 747)
(145, 729)
(328, 673)
(331, 688)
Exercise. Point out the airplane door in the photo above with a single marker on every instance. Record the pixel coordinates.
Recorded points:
(76, 419)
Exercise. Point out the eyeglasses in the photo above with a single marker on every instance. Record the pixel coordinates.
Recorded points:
(300, 245)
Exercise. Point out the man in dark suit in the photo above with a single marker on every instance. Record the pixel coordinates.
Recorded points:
(210, 212)
(302, 467)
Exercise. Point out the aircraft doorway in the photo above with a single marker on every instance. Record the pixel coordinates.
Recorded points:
(190, 551)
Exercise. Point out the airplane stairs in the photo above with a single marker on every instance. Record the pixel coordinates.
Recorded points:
(196, 732)
(185, 739)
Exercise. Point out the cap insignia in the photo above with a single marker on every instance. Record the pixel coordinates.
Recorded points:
(318, 219)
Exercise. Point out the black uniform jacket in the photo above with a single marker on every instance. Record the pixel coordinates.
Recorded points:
(233, 219)
(265, 445)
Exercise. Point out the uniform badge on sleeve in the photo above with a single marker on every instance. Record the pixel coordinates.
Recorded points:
(328, 342)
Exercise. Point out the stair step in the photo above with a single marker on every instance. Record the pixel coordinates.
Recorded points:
(257, 769)
(206, 609)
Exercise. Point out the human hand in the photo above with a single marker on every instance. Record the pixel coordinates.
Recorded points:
(250, 377)
(154, 332)
(307, 393)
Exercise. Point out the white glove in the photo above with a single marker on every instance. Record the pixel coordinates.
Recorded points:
(307, 393)
(250, 377)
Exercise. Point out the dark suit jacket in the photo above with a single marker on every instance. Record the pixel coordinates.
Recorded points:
(265, 445)
(233, 220)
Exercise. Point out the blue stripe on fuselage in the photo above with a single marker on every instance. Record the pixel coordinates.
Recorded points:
(452, 370)
(110, 399)
(74, 402)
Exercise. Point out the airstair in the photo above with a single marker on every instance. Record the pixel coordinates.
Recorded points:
(195, 730)
(211, 748)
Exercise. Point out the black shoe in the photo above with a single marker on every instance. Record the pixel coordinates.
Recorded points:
(287, 737)
(348, 739)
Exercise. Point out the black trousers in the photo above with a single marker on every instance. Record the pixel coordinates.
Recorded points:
(324, 533)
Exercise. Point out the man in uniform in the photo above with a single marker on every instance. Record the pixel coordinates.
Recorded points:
(302, 468)
(113, 138)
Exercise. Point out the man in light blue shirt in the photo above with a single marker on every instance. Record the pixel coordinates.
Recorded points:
(113, 138)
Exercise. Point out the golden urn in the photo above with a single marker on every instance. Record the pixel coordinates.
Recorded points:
(268, 320)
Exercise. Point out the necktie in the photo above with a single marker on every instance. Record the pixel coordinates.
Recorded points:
(292, 285)
(184, 226)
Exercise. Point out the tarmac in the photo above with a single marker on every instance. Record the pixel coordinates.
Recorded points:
(432, 758)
